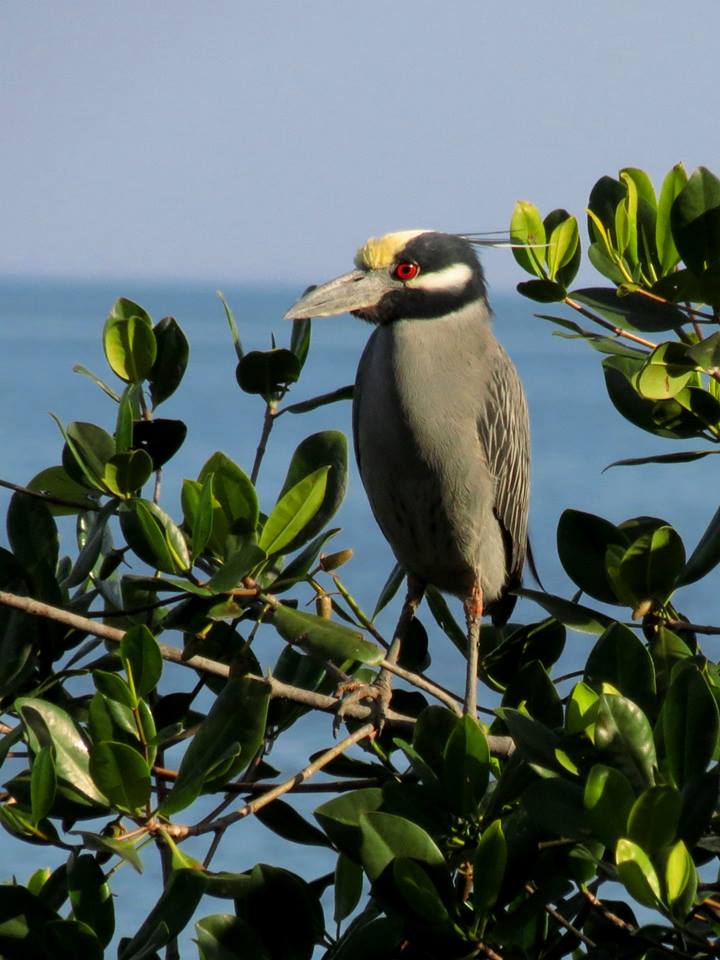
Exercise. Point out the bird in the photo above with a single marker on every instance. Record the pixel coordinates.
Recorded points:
(440, 423)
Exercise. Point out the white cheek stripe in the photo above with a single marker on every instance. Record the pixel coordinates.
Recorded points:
(450, 278)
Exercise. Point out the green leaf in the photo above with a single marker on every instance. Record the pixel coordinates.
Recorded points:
(562, 246)
(122, 775)
(323, 637)
(170, 362)
(234, 491)
(581, 709)
(555, 806)
(665, 373)
(124, 849)
(303, 562)
(684, 457)
(536, 743)
(542, 291)
(129, 342)
(96, 540)
(419, 892)
(202, 519)
(232, 324)
(293, 512)
(325, 449)
(160, 438)
(649, 568)
(466, 768)
(621, 659)
(633, 311)
(706, 554)
(386, 836)
(695, 220)
(348, 887)
(532, 688)
(57, 482)
(287, 823)
(227, 739)
(583, 541)
(141, 658)
(391, 587)
(46, 724)
(527, 230)
(226, 937)
(573, 615)
(267, 372)
(673, 183)
(637, 873)
(488, 869)
(681, 881)
(654, 818)
(623, 733)
(608, 800)
(323, 399)
(128, 410)
(340, 818)
(126, 473)
(690, 725)
(168, 917)
(153, 536)
(237, 566)
(90, 896)
(43, 783)
(32, 534)
(300, 339)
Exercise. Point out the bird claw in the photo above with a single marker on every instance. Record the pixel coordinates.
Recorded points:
(354, 692)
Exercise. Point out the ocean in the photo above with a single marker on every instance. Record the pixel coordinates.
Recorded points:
(46, 326)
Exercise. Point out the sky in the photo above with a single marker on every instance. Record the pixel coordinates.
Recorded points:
(264, 141)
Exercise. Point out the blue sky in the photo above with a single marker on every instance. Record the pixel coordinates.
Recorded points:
(265, 141)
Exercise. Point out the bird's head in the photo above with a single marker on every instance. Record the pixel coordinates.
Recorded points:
(416, 274)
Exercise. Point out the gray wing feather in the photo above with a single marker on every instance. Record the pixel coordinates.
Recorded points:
(504, 432)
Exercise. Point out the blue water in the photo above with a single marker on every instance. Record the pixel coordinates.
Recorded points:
(46, 327)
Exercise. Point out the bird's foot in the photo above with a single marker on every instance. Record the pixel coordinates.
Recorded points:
(355, 692)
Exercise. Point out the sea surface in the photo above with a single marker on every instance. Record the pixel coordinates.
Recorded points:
(48, 326)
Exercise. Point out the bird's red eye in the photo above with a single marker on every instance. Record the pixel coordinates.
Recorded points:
(406, 270)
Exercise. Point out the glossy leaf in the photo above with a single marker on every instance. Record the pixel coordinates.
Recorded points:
(141, 658)
(542, 291)
(46, 724)
(583, 541)
(562, 246)
(489, 865)
(57, 482)
(574, 615)
(649, 568)
(231, 734)
(665, 373)
(632, 311)
(236, 567)
(419, 892)
(608, 799)
(43, 783)
(348, 887)
(323, 637)
(90, 896)
(637, 873)
(695, 220)
(171, 360)
(154, 537)
(87, 449)
(620, 658)
(126, 473)
(293, 512)
(129, 342)
(122, 774)
(532, 688)
(287, 823)
(300, 339)
(267, 372)
(224, 936)
(340, 818)
(706, 554)
(160, 438)
(673, 183)
(527, 233)
(322, 400)
(91, 550)
(681, 881)
(690, 725)
(235, 493)
(623, 733)
(325, 449)
(654, 818)
(386, 836)
(466, 769)
(32, 533)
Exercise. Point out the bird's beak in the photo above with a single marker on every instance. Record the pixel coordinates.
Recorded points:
(358, 290)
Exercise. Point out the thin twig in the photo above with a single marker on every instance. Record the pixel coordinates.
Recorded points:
(328, 786)
(262, 443)
(180, 831)
(618, 331)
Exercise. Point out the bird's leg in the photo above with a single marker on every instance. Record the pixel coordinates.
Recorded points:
(380, 690)
(473, 605)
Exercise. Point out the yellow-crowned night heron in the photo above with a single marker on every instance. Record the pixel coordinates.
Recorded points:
(439, 420)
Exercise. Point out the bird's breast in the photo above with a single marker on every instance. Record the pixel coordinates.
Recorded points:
(420, 459)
